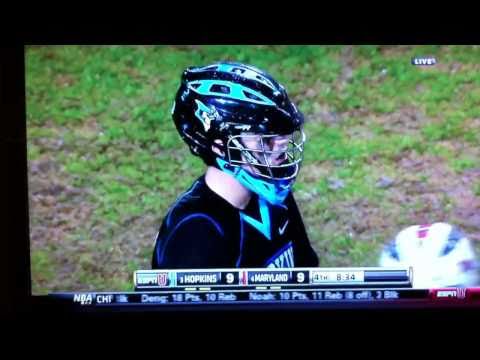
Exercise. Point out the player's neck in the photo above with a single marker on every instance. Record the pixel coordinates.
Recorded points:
(227, 187)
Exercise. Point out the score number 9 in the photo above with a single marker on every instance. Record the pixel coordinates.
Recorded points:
(230, 278)
(300, 277)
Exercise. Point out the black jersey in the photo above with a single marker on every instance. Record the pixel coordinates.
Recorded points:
(203, 230)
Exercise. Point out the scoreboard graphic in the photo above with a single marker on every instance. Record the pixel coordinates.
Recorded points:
(159, 280)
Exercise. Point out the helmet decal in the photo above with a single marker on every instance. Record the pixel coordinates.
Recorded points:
(205, 114)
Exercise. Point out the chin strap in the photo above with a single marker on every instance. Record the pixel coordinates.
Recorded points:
(275, 192)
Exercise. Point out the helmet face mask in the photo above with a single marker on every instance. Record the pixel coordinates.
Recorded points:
(272, 157)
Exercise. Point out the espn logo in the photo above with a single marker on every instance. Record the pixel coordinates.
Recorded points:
(458, 293)
(146, 279)
(150, 278)
(424, 61)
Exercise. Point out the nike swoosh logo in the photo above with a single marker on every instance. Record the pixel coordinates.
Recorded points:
(282, 229)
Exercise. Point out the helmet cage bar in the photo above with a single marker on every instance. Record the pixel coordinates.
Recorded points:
(265, 157)
(293, 154)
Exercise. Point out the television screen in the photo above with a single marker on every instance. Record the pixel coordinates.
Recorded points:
(249, 174)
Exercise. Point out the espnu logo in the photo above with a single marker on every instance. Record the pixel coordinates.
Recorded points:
(147, 279)
(424, 61)
(162, 279)
(457, 293)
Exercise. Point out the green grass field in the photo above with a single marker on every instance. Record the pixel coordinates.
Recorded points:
(389, 145)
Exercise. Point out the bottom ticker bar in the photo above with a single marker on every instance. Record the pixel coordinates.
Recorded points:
(315, 296)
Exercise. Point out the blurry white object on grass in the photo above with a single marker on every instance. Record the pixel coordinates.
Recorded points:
(439, 253)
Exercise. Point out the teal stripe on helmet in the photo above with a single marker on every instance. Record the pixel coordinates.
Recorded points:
(237, 91)
(248, 73)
